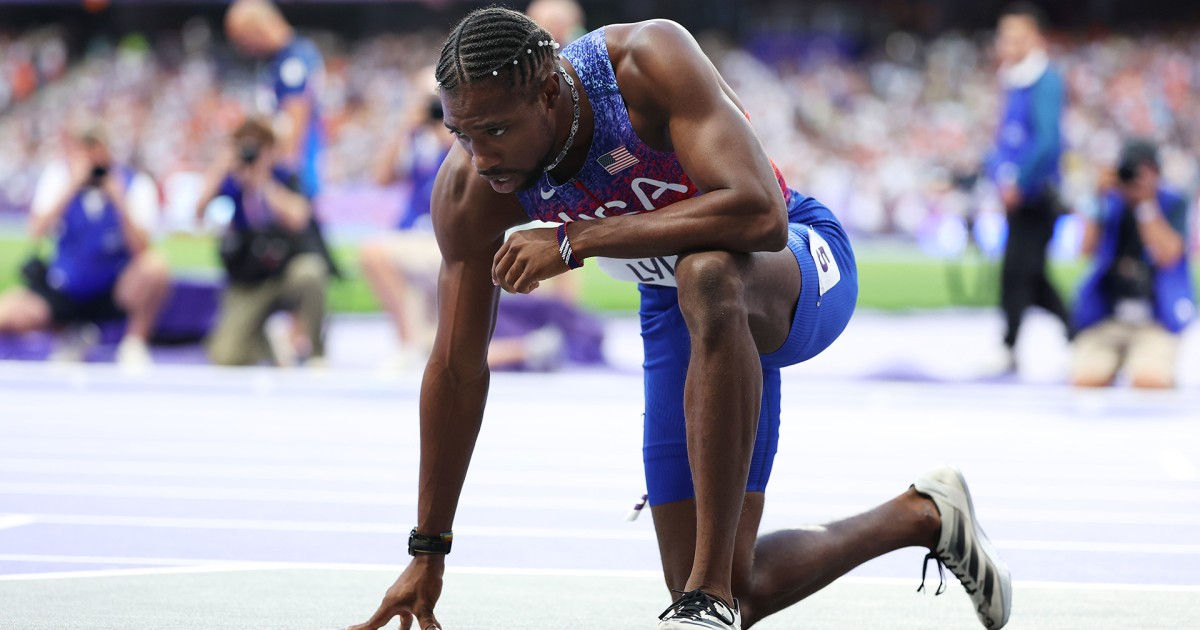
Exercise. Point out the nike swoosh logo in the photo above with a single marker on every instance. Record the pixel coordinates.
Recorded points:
(546, 194)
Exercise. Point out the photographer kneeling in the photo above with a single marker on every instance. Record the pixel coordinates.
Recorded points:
(270, 251)
(102, 214)
(1138, 297)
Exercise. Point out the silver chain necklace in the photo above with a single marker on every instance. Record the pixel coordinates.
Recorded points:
(574, 121)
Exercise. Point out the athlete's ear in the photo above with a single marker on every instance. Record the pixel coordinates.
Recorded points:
(550, 90)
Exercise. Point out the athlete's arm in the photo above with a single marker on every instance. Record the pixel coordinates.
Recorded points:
(668, 82)
(469, 220)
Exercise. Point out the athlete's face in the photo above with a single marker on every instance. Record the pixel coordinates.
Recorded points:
(508, 131)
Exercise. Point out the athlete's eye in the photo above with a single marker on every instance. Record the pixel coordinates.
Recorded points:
(497, 131)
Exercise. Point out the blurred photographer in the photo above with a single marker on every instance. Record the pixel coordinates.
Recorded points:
(1138, 297)
(101, 214)
(270, 251)
(1024, 166)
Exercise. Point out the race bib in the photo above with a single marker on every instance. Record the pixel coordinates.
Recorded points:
(659, 270)
(828, 273)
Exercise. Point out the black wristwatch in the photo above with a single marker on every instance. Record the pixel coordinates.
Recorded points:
(438, 544)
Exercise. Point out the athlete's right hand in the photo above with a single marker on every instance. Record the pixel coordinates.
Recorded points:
(414, 594)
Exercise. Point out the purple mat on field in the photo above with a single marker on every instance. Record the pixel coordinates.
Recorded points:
(186, 318)
(583, 334)
(191, 310)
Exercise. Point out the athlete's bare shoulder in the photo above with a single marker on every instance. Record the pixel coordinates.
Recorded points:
(661, 69)
(469, 217)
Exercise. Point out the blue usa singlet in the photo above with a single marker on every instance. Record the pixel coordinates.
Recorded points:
(624, 176)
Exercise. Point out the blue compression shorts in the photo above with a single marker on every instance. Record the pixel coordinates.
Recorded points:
(819, 319)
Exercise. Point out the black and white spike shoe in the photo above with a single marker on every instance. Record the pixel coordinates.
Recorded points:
(964, 549)
(697, 609)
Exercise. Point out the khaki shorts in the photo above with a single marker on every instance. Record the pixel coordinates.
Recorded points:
(1147, 351)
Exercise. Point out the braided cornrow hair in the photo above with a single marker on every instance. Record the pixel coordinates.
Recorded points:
(494, 42)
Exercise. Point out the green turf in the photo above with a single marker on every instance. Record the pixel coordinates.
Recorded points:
(887, 280)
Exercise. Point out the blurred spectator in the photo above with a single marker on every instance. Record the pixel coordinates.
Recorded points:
(270, 252)
(875, 131)
(563, 19)
(1138, 297)
(288, 91)
(1025, 168)
(292, 80)
(402, 266)
(102, 214)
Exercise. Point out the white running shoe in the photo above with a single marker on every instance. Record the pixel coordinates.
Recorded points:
(133, 355)
(699, 610)
(74, 343)
(965, 549)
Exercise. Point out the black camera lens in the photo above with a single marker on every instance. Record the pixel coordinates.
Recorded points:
(99, 171)
(1127, 173)
(249, 153)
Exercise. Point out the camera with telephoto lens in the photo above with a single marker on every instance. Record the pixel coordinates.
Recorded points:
(99, 172)
(248, 152)
(1127, 173)
(1134, 154)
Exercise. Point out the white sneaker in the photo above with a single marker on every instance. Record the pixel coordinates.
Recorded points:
(545, 348)
(406, 359)
(1001, 361)
(73, 344)
(699, 610)
(133, 354)
(965, 549)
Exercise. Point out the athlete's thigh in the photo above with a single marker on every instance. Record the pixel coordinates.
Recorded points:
(773, 284)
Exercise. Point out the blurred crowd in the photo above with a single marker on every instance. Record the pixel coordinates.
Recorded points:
(897, 138)
(888, 139)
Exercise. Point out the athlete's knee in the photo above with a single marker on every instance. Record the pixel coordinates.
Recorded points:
(711, 290)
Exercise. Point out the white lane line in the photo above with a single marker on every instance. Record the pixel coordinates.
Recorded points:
(9, 521)
(347, 527)
(156, 561)
(217, 566)
(792, 505)
(341, 527)
(573, 481)
(62, 575)
(1096, 547)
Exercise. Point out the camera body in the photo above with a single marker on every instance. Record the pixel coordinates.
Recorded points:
(1127, 172)
(1134, 155)
(248, 152)
(99, 172)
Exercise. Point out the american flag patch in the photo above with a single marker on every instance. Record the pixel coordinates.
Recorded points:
(617, 160)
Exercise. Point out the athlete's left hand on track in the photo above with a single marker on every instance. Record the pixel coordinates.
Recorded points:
(527, 258)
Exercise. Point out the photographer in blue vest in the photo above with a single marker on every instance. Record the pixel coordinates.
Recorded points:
(1138, 297)
(101, 214)
(270, 251)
